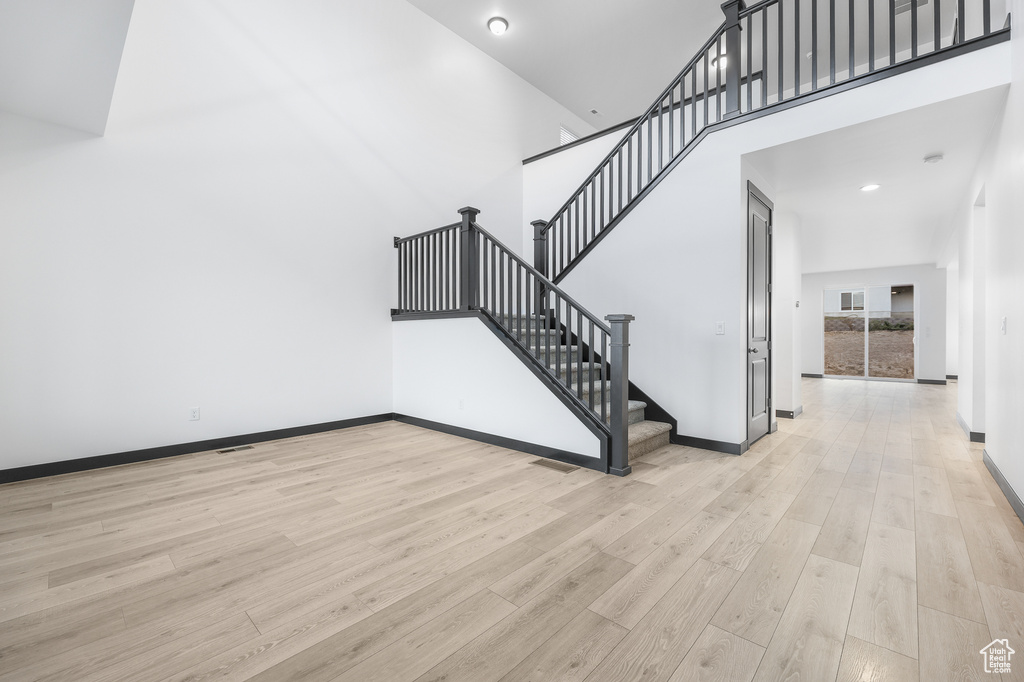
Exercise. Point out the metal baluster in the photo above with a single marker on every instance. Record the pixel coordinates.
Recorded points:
(892, 32)
(671, 123)
(501, 285)
(629, 168)
(567, 345)
(435, 270)
(764, 57)
(705, 59)
(961, 23)
(986, 16)
(851, 70)
(718, 80)
(937, 26)
(599, 227)
(593, 209)
(650, 148)
(579, 355)
(750, 63)
(782, 57)
(693, 102)
(796, 47)
(913, 29)
(604, 362)
(871, 35)
(832, 41)
(590, 359)
(814, 45)
(574, 245)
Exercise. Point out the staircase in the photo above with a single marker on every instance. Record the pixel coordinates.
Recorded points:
(753, 64)
(570, 364)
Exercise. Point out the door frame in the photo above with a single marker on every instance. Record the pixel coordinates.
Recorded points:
(755, 194)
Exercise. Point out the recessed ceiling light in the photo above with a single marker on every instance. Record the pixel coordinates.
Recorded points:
(497, 25)
(869, 188)
(933, 158)
(595, 112)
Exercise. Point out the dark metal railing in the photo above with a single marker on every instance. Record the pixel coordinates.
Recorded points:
(463, 268)
(762, 56)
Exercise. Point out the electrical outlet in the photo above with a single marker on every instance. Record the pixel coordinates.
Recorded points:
(193, 414)
(719, 328)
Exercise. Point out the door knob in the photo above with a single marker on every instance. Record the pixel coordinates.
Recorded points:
(752, 350)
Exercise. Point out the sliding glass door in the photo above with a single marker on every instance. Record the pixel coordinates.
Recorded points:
(844, 332)
(869, 332)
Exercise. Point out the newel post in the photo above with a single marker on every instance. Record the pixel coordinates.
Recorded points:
(469, 275)
(540, 262)
(733, 53)
(618, 459)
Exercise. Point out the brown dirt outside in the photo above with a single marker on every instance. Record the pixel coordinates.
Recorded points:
(891, 354)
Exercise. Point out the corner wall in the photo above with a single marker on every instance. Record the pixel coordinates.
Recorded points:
(228, 244)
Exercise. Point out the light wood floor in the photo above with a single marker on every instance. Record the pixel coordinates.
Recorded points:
(863, 541)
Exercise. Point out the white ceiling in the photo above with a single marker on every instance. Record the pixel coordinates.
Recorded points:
(908, 219)
(59, 59)
(615, 56)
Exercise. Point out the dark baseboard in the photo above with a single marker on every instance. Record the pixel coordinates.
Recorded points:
(937, 382)
(973, 436)
(805, 375)
(1004, 485)
(594, 463)
(71, 466)
(790, 414)
(951, 377)
(707, 444)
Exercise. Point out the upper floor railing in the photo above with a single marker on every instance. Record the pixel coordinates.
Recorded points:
(777, 52)
(463, 269)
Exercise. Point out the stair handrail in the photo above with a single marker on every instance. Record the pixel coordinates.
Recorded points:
(463, 269)
(609, 190)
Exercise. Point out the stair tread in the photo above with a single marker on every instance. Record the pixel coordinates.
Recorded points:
(641, 431)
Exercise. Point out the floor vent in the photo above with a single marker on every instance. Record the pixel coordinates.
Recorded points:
(240, 447)
(557, 466)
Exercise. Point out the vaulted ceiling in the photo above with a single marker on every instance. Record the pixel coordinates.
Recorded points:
(59, 59)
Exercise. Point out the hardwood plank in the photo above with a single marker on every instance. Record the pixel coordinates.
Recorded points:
(629, 600)
(808, 642)
(845, 529)
(18, 651)
(743, 492)
(338, 651)
(739, 543)
(635, 545)
(719, 656)
(994, 555)
(1004, 610)
(657, 644)
(528, 582)
(965, 483)
(507, 644)
(950, 647)
(865, 662)
(814, 501)
(433, 642)
(932, 492)
(753, 608)
(885, 605)
(945, 578)
(894, 501)
(572, 653)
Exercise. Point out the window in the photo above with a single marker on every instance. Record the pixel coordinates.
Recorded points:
(566, 136)
(851, 300)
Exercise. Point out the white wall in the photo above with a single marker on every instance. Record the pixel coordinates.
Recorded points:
(228, 243)
(930, 315)
(786, 316)
(1001, 176)
(952, 319)
(970, 404)
(476, 383)
(678, 261)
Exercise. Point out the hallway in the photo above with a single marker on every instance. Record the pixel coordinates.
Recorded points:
(864, 540)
